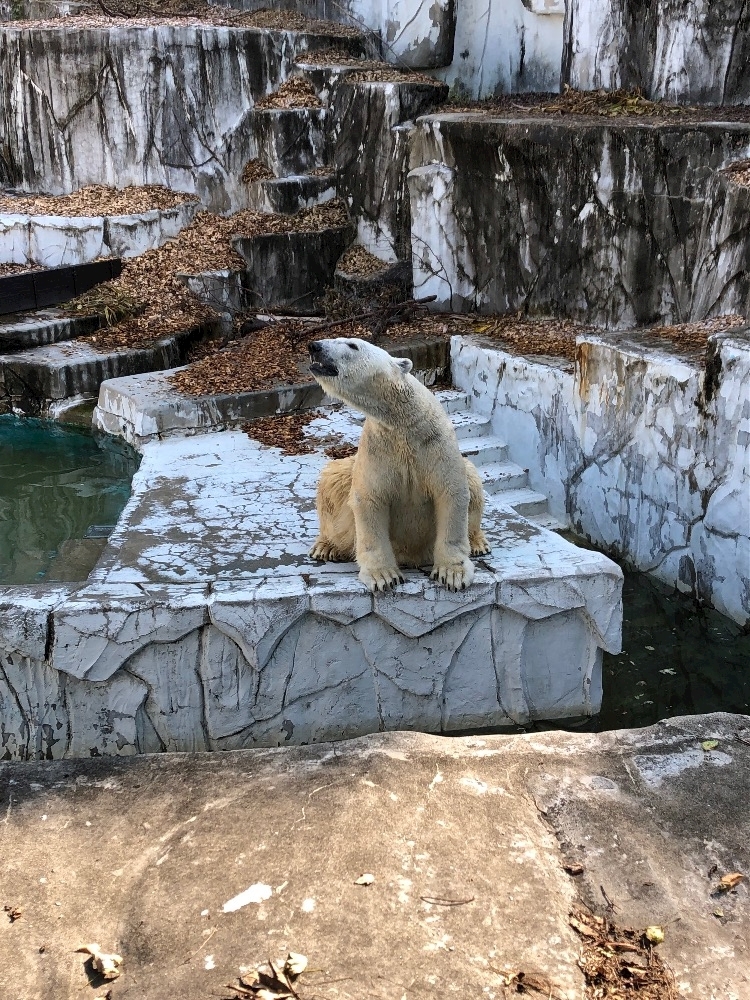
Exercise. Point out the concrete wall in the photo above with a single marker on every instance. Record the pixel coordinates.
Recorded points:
(128, 104)
(647, 454)
(689, 51)
(54, 240)
(614, 224)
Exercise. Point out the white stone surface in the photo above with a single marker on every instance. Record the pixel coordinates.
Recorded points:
(695, 52)
(55, 240)
(509, 47)
(629, 447)
(206, 626)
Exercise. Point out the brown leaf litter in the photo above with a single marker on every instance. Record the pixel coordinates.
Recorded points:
(293, 93)
(100, 13)
(598, 104)
(8, 269)
(256, 170)
(530, 335)
(692, 338)
(367, 70)
(619, 963)
(285, 431)
(739, 172)
(97, 200)
(358, 262)
(148, 302)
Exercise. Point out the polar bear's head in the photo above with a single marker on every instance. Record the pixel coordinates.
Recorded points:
(357, 372)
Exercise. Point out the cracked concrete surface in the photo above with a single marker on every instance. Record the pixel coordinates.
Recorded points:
(142, 855)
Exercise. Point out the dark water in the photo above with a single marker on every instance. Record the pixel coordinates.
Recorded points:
(677, 659)
(62, 489)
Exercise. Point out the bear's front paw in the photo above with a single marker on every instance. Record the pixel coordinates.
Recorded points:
(478, 544)
(380, 577)
(455, 575)
(326, 551)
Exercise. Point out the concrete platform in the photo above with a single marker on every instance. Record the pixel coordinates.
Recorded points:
(144, 855)
(205, 625)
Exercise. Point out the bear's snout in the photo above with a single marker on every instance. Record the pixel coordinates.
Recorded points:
(321, 363)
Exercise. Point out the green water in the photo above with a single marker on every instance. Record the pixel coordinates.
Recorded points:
(62, 489)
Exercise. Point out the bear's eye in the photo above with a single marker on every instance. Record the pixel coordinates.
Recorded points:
(354, 347)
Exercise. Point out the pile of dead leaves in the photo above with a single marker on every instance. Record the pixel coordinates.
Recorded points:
(692, 338)
(97, 200)
(255, 170)
(610, 104)
(149, 302)
(97, 12)
(285, 431)
(620, 963)
(6, 269)
(739, 172)
(358, 262)
(532, 336)
(294, 93)
(264, 358)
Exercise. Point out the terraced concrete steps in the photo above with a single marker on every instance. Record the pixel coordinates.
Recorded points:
(287, 195)
(23, 331)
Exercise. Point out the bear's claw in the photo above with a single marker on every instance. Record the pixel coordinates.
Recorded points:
(479, 544)
(457, 576)
(380, 579)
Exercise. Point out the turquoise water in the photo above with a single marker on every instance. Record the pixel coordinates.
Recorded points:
(62, 489)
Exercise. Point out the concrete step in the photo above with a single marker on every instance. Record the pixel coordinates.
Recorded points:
(523, 500)
(42, 380)
(48, 326)
(453, 400)
(287, 195)
(292, 140)
(482, 450)
(470, 426)
(548, 521)
(498, 477)
(291, 271)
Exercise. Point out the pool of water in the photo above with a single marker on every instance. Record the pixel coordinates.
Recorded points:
(677, 659)
(62, 489)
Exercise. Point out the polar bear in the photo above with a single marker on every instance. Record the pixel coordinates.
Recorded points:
(408, 497)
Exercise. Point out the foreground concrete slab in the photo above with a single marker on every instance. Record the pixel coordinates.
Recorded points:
(197, 868)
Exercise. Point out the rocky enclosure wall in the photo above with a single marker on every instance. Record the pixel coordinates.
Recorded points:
(282, 661)
(690, 51)
(615, 224)
(648, 455)
(138, 105)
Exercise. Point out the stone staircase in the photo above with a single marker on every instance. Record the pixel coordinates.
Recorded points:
(506, 484)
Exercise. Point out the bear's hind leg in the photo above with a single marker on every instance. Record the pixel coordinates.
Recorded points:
(477, 541)
(335, 542)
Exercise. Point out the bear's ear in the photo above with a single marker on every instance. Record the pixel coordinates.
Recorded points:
(404, 364)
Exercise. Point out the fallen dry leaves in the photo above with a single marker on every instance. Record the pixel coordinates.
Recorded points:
(730, 881)
(358, 262)
(142, 12)
(149, 302)
(620, 963)
(739, 172)
(293, 93)
(96, 201)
